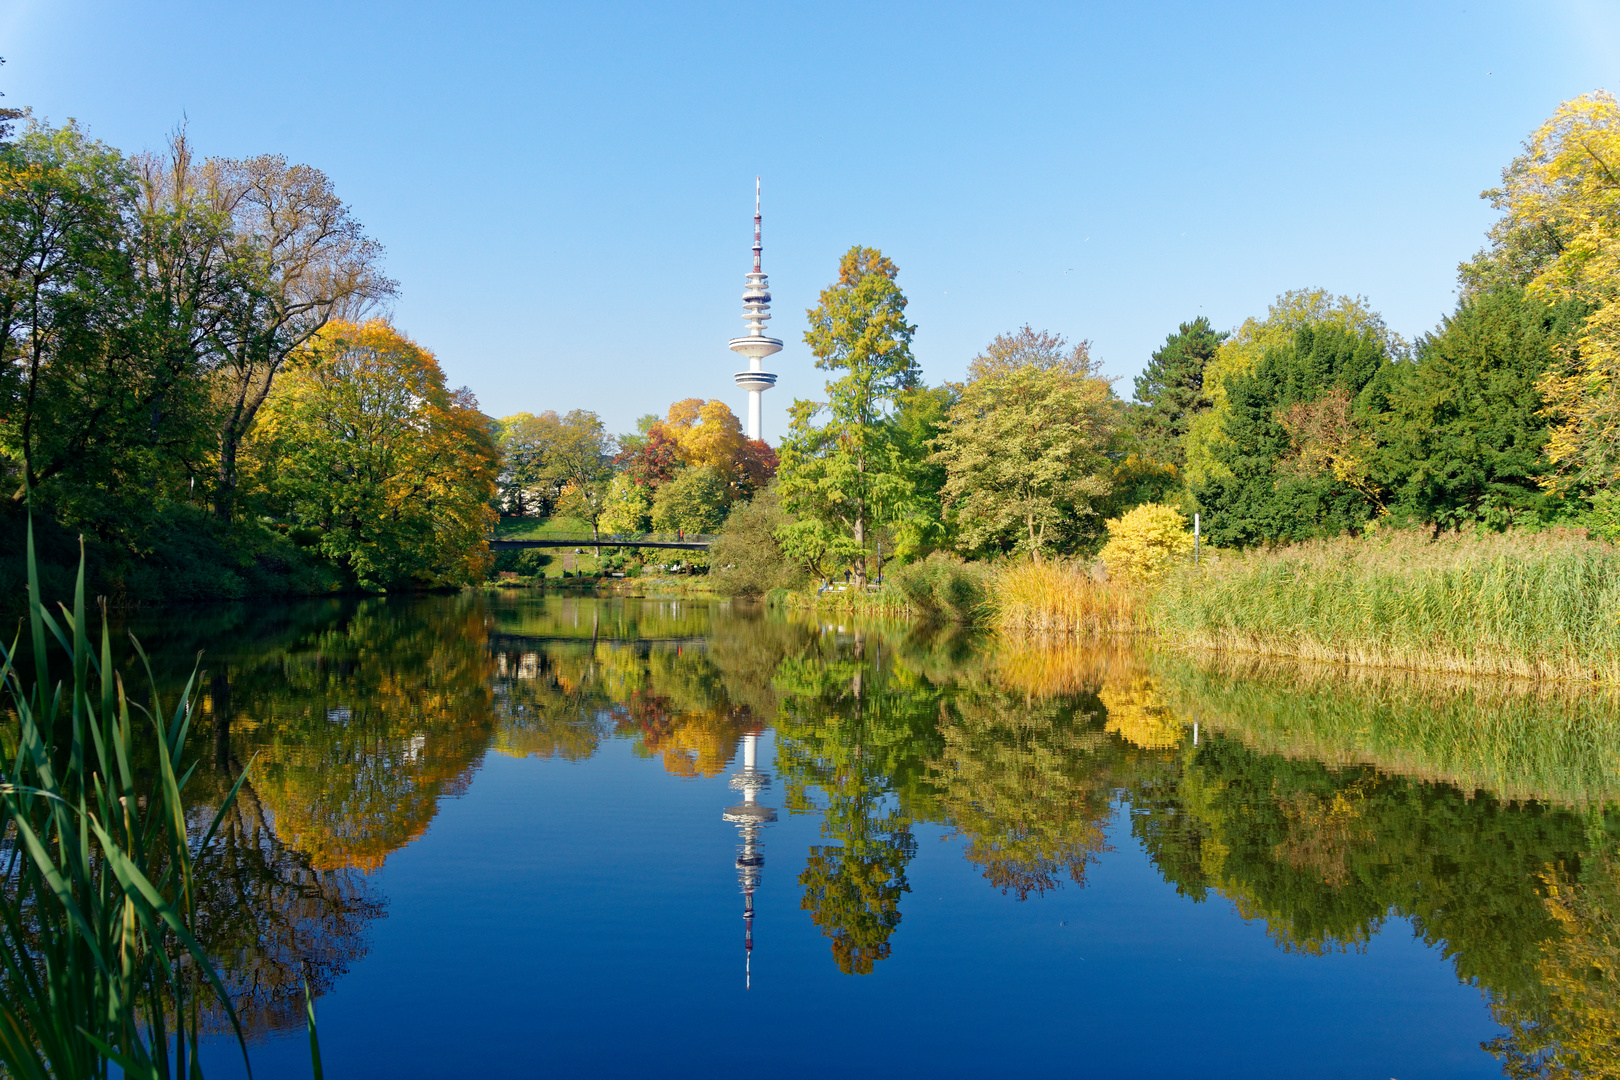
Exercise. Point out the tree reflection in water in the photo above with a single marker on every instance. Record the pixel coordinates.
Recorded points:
(1322, 803)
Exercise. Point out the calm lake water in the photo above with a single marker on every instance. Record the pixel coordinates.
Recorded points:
(526, 835)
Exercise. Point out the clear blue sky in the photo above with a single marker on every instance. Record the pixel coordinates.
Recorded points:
(565, 191)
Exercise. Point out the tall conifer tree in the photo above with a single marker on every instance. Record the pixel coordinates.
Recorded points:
(1171, 390)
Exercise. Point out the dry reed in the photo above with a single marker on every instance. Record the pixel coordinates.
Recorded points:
(1061, 598)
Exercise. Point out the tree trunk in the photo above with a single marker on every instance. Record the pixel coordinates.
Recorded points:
(860, 528)
(225, 495)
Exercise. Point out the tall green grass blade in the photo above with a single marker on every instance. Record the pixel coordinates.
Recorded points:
(314, 1038)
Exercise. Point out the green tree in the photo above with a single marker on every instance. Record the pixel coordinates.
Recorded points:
(848, 475)
(1026, 454)
(68, 341)
(628, 507)
(580, 466)
(1243, 349)
(694, 502)
(747, 559)
(1170, 391)
(1030, 348)
(366, 445)
(922, 416)
(1294, 462)
(526, 441)
(1462, 428)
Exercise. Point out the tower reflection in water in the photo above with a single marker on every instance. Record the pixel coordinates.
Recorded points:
(750, 818)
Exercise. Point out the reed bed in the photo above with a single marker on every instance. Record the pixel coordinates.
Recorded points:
(1528, 605)
(1061, 598)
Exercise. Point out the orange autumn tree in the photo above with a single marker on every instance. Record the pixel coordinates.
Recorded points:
(708, 434)
(365, 451)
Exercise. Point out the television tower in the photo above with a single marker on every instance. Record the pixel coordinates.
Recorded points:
(755, 345)
(749, 817)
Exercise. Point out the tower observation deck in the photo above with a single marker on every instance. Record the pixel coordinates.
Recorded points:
(755, 345)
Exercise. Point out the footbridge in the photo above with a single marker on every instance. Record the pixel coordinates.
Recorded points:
(694, 542)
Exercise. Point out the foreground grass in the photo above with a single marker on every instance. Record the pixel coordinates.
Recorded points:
(1529, 605)
(101, 972)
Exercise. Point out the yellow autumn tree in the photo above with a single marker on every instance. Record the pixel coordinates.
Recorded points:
(390, 473)
(1561, 230)
(707, 433)
(1145, 543)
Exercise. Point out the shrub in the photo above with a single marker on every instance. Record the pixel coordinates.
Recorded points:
(1145, 543)
(942, 586)
(533, 561)
(747, 559)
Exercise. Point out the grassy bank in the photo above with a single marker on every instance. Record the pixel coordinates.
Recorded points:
(176, 554)
(1530, 605)
(1542, 605)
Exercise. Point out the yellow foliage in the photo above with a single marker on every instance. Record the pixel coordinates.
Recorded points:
(707, 433)
(1566, 185)
(1138, 715)
(1145, 543)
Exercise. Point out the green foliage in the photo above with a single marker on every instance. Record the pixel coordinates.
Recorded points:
(1278, 484)
(627, 508)
(1170, 391)
(579, 466)
(1027, 458)
(530, 562)
(850, 474)
(944, 587)
(174, 552)
(526, 485)
(97, 406)
(747, 558)
(1462, 429)
(1243, 349)
(921, 416)
(694, 502)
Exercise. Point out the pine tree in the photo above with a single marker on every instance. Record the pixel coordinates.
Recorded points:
(1171, 390)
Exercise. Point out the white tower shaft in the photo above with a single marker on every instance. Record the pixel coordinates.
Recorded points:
(755, 345)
